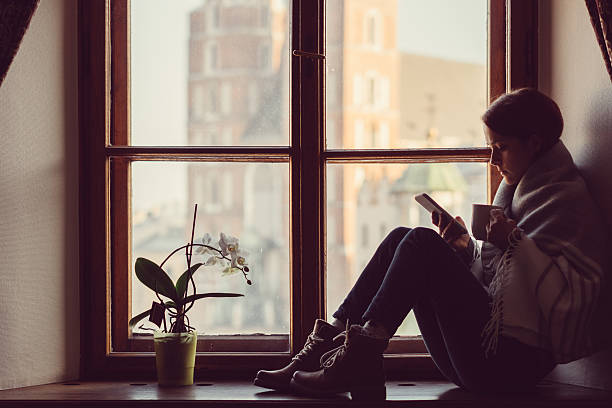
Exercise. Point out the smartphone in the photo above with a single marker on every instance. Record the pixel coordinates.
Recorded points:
(432, 206)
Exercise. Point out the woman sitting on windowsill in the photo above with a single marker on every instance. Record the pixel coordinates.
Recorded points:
(494, 319)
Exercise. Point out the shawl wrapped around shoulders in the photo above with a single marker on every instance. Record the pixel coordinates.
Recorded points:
(545, 286)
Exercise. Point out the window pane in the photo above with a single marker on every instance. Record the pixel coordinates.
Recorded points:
(405, 73)
(366, 201)
(249, 201)
(209, 73)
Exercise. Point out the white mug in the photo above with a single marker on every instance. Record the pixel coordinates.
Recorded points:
(480, 219)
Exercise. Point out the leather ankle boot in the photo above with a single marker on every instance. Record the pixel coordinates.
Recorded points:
(319, 341)
(356, 366)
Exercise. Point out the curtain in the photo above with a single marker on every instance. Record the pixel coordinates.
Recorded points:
(601, 19)
(15, 17)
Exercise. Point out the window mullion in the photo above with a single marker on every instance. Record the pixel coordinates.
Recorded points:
(119, 180)
(307, 125)
(496, 71)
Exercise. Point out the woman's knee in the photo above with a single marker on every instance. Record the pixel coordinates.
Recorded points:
(399, 232)
(422, 236)
(402, 232)
(424, 232)
(396, 235)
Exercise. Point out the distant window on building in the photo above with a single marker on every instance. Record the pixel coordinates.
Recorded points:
(264, 56)
(226, 98)
(216, 17)
(371, 90)
(359, 134)
(198, 102)
(213, 104)
(358, 89)
(264, 16)
(212, 57)
(252, 98)
(195, 56)
(373, 135)
(373, 28)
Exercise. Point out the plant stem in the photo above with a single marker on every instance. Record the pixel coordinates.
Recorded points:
(180, 318)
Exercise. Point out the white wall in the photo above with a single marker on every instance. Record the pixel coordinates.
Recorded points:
(39, 299)
(572, 72)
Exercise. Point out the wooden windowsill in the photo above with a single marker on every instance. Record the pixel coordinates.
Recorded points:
(243, 393)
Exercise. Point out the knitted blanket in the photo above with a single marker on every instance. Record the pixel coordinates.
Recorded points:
(546, 284)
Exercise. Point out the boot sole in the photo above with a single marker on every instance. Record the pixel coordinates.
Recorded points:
(363, 393)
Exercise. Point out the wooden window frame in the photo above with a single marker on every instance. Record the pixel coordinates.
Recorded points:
(103, 118)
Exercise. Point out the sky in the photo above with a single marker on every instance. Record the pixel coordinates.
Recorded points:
(160, 33)
(453, 29)
(458, 30)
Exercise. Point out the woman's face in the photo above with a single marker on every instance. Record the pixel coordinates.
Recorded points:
(510, 155)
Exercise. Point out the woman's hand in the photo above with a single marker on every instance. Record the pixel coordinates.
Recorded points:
(499, 228)
(458, 242)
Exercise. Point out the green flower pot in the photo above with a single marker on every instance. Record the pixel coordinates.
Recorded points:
(175, 358)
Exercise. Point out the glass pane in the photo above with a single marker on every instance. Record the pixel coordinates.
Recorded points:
(405, 73)
(249, 201)
(366, 201)
(209, 73)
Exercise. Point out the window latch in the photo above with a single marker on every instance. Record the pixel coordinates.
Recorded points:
(315, 55)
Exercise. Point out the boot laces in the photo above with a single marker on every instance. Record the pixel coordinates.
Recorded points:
(312, 342)
(339, 352)
(336, 354)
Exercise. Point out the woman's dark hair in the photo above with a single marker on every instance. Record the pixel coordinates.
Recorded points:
(524, 112)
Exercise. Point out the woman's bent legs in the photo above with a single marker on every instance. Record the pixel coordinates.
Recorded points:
(359, 298)
(406, 267)
(412, 262)
(415, 268)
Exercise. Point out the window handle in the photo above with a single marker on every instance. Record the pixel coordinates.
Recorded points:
(300, 53)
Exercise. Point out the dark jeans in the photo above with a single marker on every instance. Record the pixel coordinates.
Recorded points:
(416, 269)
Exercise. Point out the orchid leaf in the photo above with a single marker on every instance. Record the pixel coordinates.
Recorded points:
(191, 298)
(154, 277)
(183, 280)
(134, 320)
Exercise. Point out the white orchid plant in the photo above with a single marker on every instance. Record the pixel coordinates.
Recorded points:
(175, 299)
(228, 246)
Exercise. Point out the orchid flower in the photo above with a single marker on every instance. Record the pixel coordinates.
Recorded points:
(206, 241)
(228, 244)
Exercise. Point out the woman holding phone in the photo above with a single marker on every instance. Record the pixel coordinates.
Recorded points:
(494, 318)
